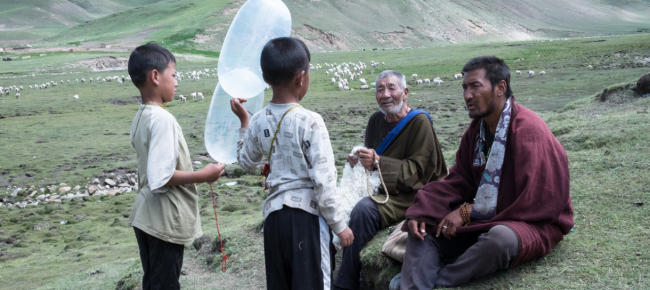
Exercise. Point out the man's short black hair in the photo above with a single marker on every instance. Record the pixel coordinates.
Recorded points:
(496, 70)
(282, 58)
(146, 58)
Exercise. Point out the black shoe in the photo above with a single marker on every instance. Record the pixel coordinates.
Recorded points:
(334, 287)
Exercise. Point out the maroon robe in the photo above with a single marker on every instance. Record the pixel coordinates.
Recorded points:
(533, 200)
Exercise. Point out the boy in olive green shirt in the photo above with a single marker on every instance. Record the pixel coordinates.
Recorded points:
(165, 213)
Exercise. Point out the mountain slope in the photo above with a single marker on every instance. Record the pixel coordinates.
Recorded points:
(323, 24)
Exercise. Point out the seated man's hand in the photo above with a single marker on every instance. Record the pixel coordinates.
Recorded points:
(449, 224)
(346, 237)
(417, 229)
(365, 157)
(352, 160)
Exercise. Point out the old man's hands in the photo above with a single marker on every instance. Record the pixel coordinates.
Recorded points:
(365, 157)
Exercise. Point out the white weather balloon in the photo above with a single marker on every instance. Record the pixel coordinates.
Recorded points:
(222, 126)
(240, 74)
(257, 22)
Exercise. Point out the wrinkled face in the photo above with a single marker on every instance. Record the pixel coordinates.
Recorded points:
(168, 82)
(480, 98)
(390, 96)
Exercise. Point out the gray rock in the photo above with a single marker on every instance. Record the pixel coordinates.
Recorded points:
(64, 189)
(109, 182)
(92, 189)
(95, 180)
(132, 180)
(37, 227)
(123, 185)
(15, 192)
(40, 197)
(54, 197)
(76, 187)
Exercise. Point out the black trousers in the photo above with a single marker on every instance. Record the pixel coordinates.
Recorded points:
(365, 222)
(298, 251)
(161, 261)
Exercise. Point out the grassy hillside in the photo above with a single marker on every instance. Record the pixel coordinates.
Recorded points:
(38, 19)
(47, 139)
(326, 24)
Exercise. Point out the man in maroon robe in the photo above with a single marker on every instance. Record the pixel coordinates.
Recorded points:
(505, 201)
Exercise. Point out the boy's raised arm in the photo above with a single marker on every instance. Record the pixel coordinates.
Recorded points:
(249, 155)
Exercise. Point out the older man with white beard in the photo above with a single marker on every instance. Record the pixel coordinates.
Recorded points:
(409, 156)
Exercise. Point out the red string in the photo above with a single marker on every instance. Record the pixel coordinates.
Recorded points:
(224, 266)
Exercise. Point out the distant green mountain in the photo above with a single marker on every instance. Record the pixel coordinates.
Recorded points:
(323, 24)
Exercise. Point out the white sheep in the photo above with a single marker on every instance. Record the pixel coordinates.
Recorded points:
(200, 95)
(414, 76)
(353, 186)
(340, 86)
(346, 88)
(364, 87)
(363, 81)
(427, 81)
(17, 95)
(518, 72)
(75, 97)
(531, 73)
(193, 95)
(542, 73)
(437, 81)
(183, 99)
(458, 76)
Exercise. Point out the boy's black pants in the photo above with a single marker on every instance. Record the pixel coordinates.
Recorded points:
(161, 261)
(298, 251)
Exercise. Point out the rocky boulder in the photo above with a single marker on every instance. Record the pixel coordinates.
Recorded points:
(110, 182)
(643, 85)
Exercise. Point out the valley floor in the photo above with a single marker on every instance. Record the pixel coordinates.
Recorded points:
(47, 138)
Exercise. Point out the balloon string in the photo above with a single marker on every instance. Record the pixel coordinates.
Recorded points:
(224, 266)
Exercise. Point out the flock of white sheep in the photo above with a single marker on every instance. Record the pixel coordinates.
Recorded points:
(347, 70)
(52, 84)
(180, 76)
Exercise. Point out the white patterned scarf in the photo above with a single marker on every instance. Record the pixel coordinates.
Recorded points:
(485, 203)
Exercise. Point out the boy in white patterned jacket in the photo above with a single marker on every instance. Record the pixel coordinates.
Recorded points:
(302, 203)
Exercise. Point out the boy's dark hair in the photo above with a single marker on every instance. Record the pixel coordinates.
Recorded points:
(496, 70)
(282, 58)
(146, 58)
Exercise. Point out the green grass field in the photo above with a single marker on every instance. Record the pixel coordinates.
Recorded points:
(47, 138)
